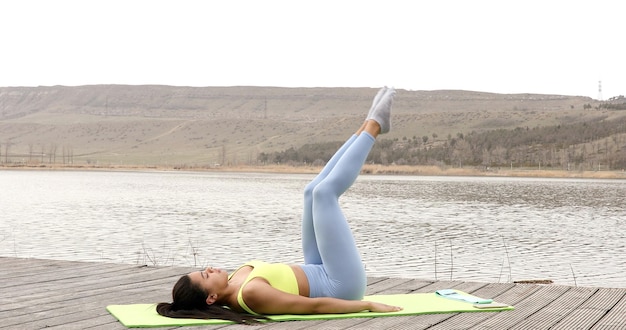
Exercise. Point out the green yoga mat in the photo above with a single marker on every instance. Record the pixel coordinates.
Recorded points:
(145, 315)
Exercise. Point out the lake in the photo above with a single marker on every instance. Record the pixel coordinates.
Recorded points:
(571, 231)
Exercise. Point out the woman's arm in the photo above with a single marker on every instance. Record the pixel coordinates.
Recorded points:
(264, 299)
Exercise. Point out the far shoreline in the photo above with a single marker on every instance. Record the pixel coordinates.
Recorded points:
(371, 169)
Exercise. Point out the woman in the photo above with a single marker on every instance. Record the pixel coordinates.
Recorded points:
(332, 278)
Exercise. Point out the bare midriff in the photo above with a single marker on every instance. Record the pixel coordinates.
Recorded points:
(303, 281)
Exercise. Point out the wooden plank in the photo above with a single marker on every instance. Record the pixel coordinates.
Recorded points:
(385, 286)
(60, 310)
(525, 308)
(90, 294)
(410, 286)
(557, 310)
(580, 319)
(615, 318)
(73, 295)
(32, 271)
(102, 322)
(33, 287)
(592, 310)
(91, 287)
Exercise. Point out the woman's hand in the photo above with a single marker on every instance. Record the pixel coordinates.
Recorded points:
(383, 308)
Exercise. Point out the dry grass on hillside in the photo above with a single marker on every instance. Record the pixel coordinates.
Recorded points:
(111, 125)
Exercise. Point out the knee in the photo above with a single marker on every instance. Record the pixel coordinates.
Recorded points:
(323, 192)
(308, 189)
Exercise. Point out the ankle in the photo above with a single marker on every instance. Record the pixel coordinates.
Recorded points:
(373, 128)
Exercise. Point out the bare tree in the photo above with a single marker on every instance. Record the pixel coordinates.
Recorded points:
(606, 153)
(461, 152)
(486, 157)
(499, 155)
(30, 152)
(7, 146)
(223, 155)
(52, 157)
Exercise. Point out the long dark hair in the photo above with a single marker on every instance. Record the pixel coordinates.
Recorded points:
(189, 301)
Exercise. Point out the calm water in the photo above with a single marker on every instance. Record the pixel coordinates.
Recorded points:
(479, 229)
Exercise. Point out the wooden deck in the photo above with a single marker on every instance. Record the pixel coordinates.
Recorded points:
(36, 294)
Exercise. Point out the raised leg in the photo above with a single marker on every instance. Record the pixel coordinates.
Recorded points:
(335, 242)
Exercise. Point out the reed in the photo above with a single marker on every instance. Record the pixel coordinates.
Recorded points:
(147, 255)
(435, 260)
(574, 275)
(194, 253)
(508, 261)
(451, 259)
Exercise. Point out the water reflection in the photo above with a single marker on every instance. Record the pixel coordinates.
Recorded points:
(461, 228)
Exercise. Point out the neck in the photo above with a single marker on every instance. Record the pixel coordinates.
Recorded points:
(229, 296)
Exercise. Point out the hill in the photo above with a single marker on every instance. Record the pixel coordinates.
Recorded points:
(192, 126)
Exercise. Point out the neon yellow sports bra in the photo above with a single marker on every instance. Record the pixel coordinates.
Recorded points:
(279, 276)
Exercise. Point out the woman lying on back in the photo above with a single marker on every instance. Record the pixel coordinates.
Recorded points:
(332, 278)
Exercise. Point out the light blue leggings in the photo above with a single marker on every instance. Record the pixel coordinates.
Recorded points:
(332, 261)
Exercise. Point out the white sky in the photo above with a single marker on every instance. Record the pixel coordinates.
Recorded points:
(530, 46)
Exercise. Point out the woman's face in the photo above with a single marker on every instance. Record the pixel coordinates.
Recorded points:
(211, 280)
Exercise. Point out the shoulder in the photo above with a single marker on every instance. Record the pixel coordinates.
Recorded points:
(257, 291)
